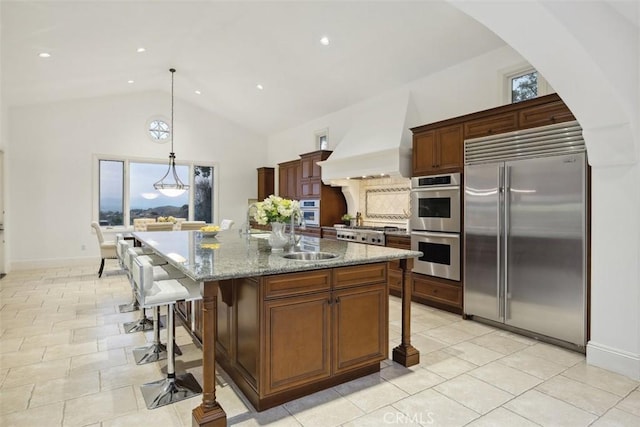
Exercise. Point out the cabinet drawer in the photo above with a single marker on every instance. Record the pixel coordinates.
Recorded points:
(399, 242)
(545, 114)
(491, 125)
(440, 292)
(297, 283)
(359, 275)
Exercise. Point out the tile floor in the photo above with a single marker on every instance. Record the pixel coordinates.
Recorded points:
(66, 361)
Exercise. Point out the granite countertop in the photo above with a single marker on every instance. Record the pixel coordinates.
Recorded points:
(232, 255)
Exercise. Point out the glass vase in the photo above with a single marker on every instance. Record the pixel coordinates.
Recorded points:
(278, 238)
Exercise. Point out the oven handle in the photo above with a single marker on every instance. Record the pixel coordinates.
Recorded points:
(441, 235)
(450, 187)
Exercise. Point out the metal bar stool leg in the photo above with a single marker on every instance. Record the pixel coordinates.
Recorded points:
(132, 306)
(174, 388)
(156, 351)
(142, 324)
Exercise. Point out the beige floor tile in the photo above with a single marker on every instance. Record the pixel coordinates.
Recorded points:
(13, 399)
(549, 411)
(164, 416)
(429, 407)
(505, 377)
(130, 374)
(579, 394)
(27, 331)
(99, 360)
(274, 417)
(9, 345)
(501, 417)
(410, 380)
(631, 403)
(81, 335)
(46, 340)
(371, 392)
(554, 354)
(473, 393)
(65, 388)
(425, 344)
(451, 367)
(433, 357)
(84, 321)
(617, 418)
(21, 358)
(122, 340)
(390, 416)
(3, 376)
(104, 405)
(532, 365)
(49, 415)
(448, 334)
(37, 372)
(473, 353)
(62, 351)
(500, 343)
(473, 328)
(602, 379)
(323, 409)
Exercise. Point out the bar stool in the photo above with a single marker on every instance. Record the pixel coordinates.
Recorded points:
(121, 249)
(144, 323)
(156, 350)
(173, 388)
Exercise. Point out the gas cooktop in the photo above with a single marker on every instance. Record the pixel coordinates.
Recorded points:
(364, 234)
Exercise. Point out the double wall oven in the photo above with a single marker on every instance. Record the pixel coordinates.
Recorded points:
(435, 225)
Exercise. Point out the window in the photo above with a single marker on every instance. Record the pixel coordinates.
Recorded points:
(522, 83)
(322, 139)
(159, 130)
(125, 192)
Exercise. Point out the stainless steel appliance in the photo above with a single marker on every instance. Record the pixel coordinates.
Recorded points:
(310, 212)
(525, 231)
(435, 203)
(364, 234)
(441, 254)
(435, 225)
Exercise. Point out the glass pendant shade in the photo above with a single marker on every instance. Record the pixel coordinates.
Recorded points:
(172, 187)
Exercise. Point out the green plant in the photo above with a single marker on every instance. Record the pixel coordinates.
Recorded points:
(347, 217)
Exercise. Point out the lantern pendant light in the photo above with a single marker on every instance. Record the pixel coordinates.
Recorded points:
(177, 187)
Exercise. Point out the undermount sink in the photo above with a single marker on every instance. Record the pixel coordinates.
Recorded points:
(310, 256)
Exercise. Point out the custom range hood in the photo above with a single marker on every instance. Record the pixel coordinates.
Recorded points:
(377, 143)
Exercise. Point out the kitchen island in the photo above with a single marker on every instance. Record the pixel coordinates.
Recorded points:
(284, 328)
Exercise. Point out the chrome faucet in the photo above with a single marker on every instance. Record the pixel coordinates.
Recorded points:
(292, 229)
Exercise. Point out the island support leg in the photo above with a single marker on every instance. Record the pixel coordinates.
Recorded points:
(209, 413)
(405, 353)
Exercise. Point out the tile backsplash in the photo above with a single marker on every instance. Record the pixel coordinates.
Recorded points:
(385, 201)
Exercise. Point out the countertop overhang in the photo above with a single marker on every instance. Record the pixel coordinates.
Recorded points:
(231, 255)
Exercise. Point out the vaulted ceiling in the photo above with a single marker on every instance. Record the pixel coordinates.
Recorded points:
(225, 49)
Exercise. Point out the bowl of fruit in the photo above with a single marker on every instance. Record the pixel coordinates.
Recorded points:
(209, 230)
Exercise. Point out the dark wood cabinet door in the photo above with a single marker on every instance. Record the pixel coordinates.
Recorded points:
(544, 114)
(492, 125)
(265, 182)
(297, 342)
(283, 181)
(360, 326)
(424, 152)
(450, 148)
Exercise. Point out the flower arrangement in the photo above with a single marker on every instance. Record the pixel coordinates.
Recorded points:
(275, 209)
(346, 218)
(167, 219)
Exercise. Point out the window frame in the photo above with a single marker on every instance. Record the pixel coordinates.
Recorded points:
(126, 216)
(506, 75)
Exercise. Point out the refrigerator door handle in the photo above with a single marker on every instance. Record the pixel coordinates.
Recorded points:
(506, 231)
(499, 237)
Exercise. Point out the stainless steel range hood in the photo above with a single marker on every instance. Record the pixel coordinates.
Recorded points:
(377, 143)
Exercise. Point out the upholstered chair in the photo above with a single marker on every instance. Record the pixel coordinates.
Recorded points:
(107, 248)
(160, 226)
(192, 225)
(226, 224)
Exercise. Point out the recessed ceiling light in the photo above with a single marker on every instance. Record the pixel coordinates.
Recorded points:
(324, 41)
(44, 55)
(140, 50)
(198, 92)
(259, 86)
(130, 81)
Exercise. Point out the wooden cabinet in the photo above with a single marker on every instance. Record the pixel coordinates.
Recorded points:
(440, 293)
(266, 179)
(497, 123)
(284, 336)
(544, 114)
(395, 273)
(438, 150)
(310, 174)
(288, 179)
(439, 147)
(329, 233)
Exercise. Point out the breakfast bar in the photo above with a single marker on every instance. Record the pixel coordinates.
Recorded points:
(286, 324)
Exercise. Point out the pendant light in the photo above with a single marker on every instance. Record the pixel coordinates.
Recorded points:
(177, 187)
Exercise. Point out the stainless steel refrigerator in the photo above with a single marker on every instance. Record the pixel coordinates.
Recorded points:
(525, 243)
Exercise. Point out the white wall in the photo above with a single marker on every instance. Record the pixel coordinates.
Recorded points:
(50, 166)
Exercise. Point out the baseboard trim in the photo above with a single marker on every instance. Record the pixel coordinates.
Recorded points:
(613, 359)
